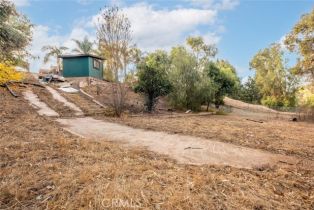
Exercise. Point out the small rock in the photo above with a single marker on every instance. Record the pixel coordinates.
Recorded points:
(39, 197)
(50, 187)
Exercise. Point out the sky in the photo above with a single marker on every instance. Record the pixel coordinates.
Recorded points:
(239, 28)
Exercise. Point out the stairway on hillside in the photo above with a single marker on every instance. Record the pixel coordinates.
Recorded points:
(89, 107)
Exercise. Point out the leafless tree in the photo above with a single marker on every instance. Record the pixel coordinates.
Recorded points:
(114, 37)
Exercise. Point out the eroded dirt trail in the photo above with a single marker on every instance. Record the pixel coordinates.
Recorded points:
(40, 106)
(58, 97)
(184, 149)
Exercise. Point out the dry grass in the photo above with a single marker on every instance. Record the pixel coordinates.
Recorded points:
(103, 93)
(291, 138)
(42, 166)
(135, 102)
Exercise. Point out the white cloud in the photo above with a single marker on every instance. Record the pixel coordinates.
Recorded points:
(41, 38)
(152, 28)
(211, 38)
(162, 28)
(21, 3)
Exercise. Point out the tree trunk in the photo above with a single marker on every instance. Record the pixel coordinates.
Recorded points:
(150, 103)
(58, 65)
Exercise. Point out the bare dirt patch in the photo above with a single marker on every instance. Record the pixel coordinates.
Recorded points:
(184, 149)
(42, 166)
(283, 137)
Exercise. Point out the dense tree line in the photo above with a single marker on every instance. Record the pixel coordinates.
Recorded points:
(188, 75)
(277, 85)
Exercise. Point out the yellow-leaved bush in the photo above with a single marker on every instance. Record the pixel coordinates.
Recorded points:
(8, 72)
(306, 96)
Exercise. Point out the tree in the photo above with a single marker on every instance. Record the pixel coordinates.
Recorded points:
(84, 47)
(192, 87)
(201, 50)
(114, 35)
(250, 92)
(230, 72)
(301, 40)
(152, 78)
(15, 34)
(306, 96)
(53, 51)
(185, 78)
(276, 85)
(222, 82)
(114, 39)
(208, 89)
(195, 79)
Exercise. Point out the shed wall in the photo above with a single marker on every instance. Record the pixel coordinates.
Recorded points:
(76, 67)
(93, 72)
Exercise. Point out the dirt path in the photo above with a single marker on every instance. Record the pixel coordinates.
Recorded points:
(41, 107)
(184, 149)
(60, 98)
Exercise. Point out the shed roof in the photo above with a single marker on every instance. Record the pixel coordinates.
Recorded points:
(81, 55)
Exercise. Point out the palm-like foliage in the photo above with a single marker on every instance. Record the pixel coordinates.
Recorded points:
(84, 47)
(52, 51)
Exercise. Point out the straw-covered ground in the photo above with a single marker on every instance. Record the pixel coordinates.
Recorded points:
(42, 166)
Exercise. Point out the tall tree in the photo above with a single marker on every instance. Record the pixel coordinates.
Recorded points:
(185, 79)
(114, 38)
(15, 34)
(153, 79)
(195, 79)
(272, 77)
(84, 47)
(301, 40)
(230, 72)
(222, 82)
(208, 89)
(250, 92)
(114, 35)
(55, 52)
(202, 51)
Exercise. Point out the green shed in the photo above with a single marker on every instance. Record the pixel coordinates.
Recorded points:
(83, 65)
